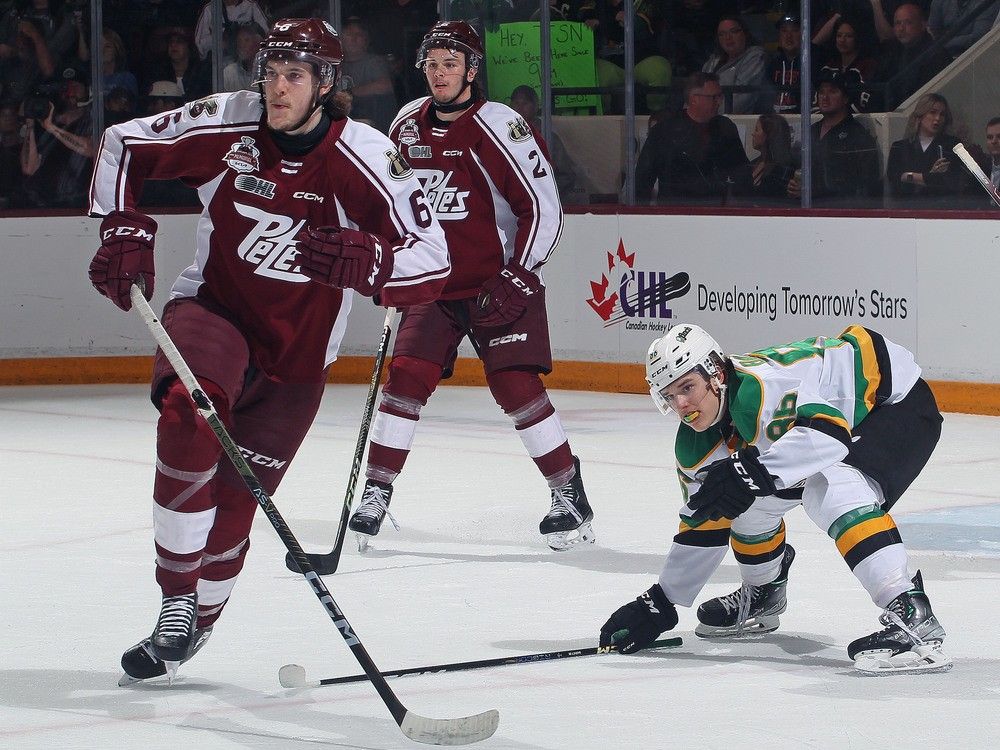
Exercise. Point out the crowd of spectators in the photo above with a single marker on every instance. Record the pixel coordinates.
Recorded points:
(159, 54)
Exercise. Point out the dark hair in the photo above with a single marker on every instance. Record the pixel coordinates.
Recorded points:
(863, 35)
(738, 20)
(994, 121)
(697, 80)
(526, 91)
(778, 142)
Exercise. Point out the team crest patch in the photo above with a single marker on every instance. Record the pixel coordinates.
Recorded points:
(419, 152)
(398, 168)
(208, 104)
(518, 130)
(250, 184)
(409, 133)
(243, 156)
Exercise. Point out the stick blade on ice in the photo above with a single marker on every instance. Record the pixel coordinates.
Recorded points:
(463, 731)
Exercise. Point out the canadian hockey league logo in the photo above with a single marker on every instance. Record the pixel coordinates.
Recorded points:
(624, 292)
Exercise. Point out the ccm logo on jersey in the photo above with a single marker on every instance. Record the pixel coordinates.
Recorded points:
(510, 338)
(452, 153)
(308, 196)
(142, 234)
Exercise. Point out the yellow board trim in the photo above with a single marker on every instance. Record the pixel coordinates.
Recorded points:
(862, 531)
(610, 377)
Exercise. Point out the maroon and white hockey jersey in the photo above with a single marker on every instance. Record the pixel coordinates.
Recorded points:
(490, 184)
(256, 199)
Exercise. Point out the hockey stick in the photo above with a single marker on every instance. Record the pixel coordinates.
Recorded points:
(462, 731)
(294, 676)
(962, 153)
(324, 564)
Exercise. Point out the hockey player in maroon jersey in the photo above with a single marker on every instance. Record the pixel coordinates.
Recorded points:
(491, 186)
(302, 208)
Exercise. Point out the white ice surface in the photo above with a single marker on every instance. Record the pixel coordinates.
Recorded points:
(468, 577)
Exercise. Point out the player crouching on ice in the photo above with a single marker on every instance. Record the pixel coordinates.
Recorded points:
(841, 425)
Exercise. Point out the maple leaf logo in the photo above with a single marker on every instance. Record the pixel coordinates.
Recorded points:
(620, 266)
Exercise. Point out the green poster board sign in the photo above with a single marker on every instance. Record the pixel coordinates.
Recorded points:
(513, 58)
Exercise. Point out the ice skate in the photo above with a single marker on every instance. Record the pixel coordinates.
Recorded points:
(140, 663)
(750, 610)
(174, 630)
(910, 642)
(567, 523)
(367, 519)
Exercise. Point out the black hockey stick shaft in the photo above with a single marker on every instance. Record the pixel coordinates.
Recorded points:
(211, 416)
(325, 564)
(462, 666)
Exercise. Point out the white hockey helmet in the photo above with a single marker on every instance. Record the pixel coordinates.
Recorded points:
(672, 356)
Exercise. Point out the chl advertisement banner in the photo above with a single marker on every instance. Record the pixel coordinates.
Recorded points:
(748, 285)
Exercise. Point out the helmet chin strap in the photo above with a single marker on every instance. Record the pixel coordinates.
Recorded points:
(722, 401)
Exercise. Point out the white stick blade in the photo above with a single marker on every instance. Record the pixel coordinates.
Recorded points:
(293, 676)
(462, 731)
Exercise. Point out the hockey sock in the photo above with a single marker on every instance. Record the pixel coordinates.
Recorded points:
(759, 556)
(411, 382)
(187, 454)
(868, 539)
(521, 394)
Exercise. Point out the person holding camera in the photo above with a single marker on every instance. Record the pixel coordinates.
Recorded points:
(57, 163)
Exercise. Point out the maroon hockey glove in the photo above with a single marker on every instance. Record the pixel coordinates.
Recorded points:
(126, 253)
(636, 625)
(345, 258)
(504, 298)
(729, 486)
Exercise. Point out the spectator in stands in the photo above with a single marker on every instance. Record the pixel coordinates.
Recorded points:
(785, 69)
(371, 82)
(10, 154)
(27, 63)
(163, 96)
(774, 168)
(922, 168)
(239, 73)
(692, 24)
(524, 101)
(115, 58)
(695, 156)
(991, 159)
(896, 70)
(119, 106)
(738, 61)
(237, 13)
(845, 160)
(851, 58)
(183, 68)
(58, 162)
(944, 14)
(607, 19)
(56, 27)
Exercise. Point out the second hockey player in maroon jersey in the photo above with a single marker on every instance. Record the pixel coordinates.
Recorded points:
(491, 186)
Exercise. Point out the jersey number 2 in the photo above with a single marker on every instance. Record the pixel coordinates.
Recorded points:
(537, 170)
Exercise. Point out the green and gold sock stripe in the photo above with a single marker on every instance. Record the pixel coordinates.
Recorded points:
(862, 532)
(759, 548)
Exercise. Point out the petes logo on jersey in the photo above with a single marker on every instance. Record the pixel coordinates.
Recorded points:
(409, 133)
(270, 246)
(398, 168)
(446, 201)
(419, 152)
(518, 130)
(243, 156)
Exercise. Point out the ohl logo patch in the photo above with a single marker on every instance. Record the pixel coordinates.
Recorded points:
(624, 292)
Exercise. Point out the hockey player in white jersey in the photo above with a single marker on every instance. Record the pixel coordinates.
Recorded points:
(303, 208)
(841, 425)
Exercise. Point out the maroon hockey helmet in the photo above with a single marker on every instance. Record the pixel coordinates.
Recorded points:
(454, 35)
(311, 40)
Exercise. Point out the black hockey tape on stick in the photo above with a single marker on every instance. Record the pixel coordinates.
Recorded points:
(294, 676)
(962, 153)
(327, 563)
(461, 731)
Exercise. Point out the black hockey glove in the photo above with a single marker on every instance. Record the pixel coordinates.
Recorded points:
(504, 297)
(636, 625)
(729, 486)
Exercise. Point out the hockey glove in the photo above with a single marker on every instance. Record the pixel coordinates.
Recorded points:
(345, 258)
(729, 486)
(504, 297)
(636, 625)
(126, 252)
